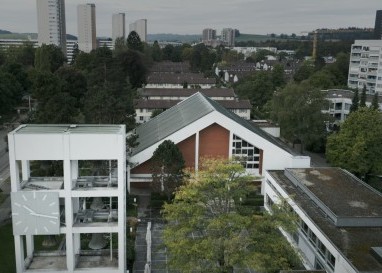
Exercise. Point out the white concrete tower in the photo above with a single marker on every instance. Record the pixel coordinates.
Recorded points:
(51, 23)
(81, 201)
(118, 26)
(140, 27)
(86, 20)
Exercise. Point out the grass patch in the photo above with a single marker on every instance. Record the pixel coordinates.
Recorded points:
(7, 249)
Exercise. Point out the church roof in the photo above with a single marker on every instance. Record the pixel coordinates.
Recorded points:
(187, 112)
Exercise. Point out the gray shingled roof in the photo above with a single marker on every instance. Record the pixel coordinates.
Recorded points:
(176, 92)
(187, 112)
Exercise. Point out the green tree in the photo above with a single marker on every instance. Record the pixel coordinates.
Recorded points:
(375, 102)
(156, 112)
(10, 92)
(258, 89)
(304, 71)
(132, 62)
(167, 168)
(134, 42)
(206, 231)
(357, 146)
(355, 102)
(297, 109)
(49, 58)
(157, 52)
(362, 101)
(260, 55)
(59, 109)
(73, 83)
(278, 76)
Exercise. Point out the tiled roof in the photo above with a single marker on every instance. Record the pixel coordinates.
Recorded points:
(186, 92)
(170, 67)
(165, 104)
(190, 78)
(185, 113)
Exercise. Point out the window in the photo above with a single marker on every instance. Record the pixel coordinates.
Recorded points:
(249, 154)
(312, 237)
(331, 260)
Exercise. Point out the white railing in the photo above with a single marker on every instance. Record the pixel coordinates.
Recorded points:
(148, 243)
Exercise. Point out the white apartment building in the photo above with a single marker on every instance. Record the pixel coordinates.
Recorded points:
(140, 27)
(118, 26)
(82, 203)
(341, 100)
(51, 23)
(339, 218)
(209, 34)
(228, 37)
(86, 20)
(365, 67)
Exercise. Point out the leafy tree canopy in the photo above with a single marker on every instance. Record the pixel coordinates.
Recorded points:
(357, 146)
(297, 109)
(134, 42)
(49, 58)
(205, 231)
(167, 167)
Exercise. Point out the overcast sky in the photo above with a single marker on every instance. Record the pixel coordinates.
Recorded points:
(191, 16)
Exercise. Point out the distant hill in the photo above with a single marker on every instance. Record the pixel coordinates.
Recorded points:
(5, 32)
(168, 37)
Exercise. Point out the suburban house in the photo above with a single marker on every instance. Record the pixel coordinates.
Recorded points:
(202, 127)
(163, 99)
(179, 80)
(339, 216)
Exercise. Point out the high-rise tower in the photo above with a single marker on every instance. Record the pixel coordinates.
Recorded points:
(86, 20)
(118, 26)
(140, 27)
(51, 23)
(378, 25)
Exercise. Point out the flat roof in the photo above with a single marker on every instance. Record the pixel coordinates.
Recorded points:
(353, 242)
(69, 128)
(341, 192)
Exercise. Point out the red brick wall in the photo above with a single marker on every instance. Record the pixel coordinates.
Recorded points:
(214, 142)
(143, 168)
(187, 147)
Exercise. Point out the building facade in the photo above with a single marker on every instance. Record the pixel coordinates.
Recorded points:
(140, 27)
(51, 23)
(338, 230)
(86, 20)
(365, 67)
(228, 37)
(378, 25)
(83, 207)
(201, 127)
(118, 26)
(209, 34)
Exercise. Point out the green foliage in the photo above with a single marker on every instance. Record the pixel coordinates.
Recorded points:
(202, 58)
(205, 232)
(362, 101)
(132, 63)
(60, 108)
(260, 55)
(156, 112)
(167, 167)
(357, 146)
(73, 83)
(24, 54)
(10, 92)
(304, 71)
(7, 249)
(374, 103)
(297, 109)
(156, 52)
(355, 102)
(49, 58)
(134, 42)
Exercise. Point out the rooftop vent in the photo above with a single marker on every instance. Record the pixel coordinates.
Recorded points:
(376, 252)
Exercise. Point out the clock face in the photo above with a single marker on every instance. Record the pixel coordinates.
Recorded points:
(35, 213)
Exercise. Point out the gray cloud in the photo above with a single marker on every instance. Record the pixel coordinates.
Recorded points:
(189, 17)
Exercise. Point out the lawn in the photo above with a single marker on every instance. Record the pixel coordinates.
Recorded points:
(7, 250)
